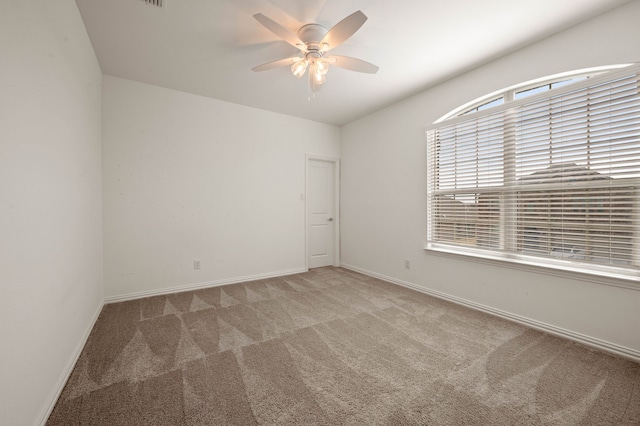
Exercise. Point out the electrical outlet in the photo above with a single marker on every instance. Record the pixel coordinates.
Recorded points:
(196, 264)
(407, 264)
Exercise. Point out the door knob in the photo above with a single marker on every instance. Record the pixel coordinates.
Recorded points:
(330, 219)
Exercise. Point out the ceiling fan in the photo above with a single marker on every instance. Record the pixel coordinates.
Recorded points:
(314, 41)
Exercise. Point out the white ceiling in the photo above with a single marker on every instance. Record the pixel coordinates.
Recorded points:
(208, 47)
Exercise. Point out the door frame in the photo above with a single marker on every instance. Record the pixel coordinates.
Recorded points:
(336, 207)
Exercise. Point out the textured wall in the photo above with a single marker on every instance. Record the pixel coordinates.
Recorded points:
(51, 205)
(188, 177)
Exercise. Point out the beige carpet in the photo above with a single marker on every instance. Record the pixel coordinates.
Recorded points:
(334, 347)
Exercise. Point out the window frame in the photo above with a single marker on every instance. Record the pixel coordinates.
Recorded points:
(509, 92)
(607, 274)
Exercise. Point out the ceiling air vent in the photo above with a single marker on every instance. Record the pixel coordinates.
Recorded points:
(155, 2)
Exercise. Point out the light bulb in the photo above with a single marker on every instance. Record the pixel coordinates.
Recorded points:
(315, 87)
(322, 67)
(298, 68)
(318, 77)
(315, 79)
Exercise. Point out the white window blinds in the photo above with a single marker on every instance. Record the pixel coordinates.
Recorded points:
(554, 177)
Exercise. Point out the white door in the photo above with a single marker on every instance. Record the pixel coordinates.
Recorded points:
(321, 220)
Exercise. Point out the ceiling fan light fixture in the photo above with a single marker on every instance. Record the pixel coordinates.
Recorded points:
(318, 71)
(317, 75)
(322, 67)
(313, 85)
(318, 78)
(299, 67)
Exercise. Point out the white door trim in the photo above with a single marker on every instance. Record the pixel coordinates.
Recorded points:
(336, 206)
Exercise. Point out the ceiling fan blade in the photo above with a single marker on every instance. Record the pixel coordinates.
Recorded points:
(276, 64)
(342, 30)
(352, 64)
(280, 31)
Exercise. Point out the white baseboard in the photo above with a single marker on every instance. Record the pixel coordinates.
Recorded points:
(66, 373)
(551, 329)
(198, 286)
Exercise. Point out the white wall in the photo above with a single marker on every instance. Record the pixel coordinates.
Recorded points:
(384, 192)
(50, 201)
(188, 177)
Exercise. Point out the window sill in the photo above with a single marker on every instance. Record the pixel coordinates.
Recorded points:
(560, 270)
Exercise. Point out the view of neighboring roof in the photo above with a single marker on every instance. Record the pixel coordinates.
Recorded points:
(563, 172)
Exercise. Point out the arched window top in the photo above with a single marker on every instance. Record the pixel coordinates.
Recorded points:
(528, 88)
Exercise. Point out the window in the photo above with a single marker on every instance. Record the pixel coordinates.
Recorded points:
(550, 176)
(485, 105)
(547, 86)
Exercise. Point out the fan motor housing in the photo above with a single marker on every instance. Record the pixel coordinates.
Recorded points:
(311, 34)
